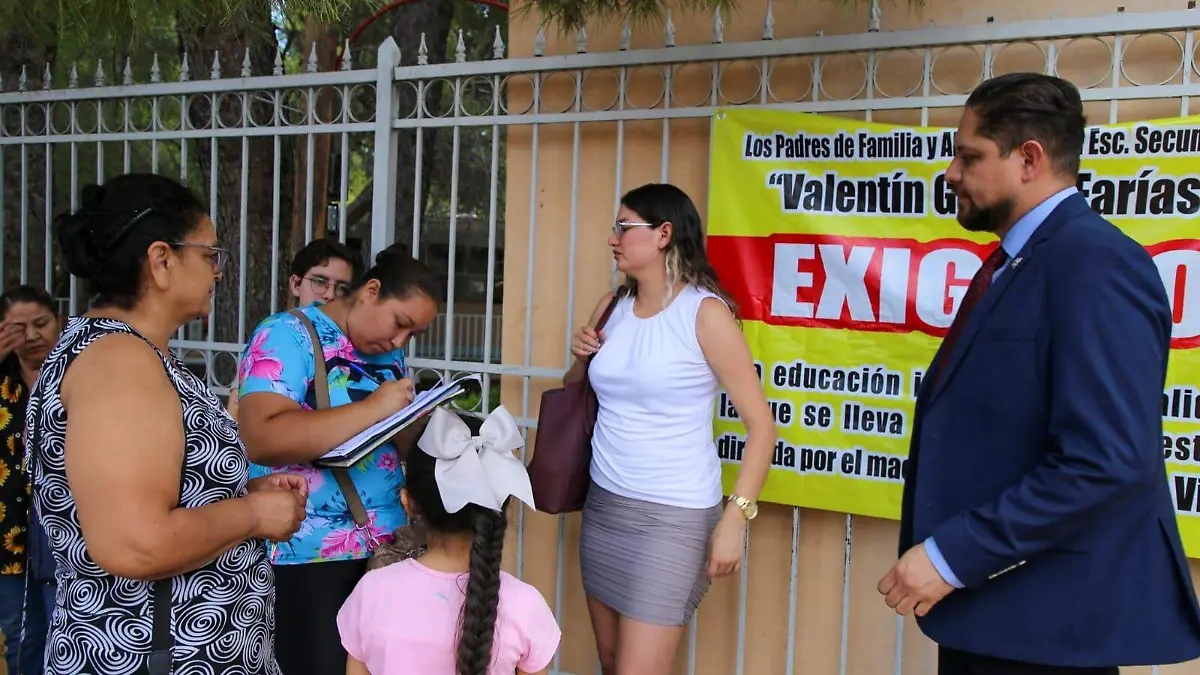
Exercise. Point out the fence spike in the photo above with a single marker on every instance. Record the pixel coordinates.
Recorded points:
(626, 34)
(47, 77)
(246, 64)
(99, 73)
(498, 45)
(718, 27)
(22, 80)
(127, 78)
(460, 50)
(216, 65)
(581, 41)
(539, 42)
(347, 55)
(670, 29)
(312, 58)
(278, 69)
(73, 80)
(155, 71)
(769, 23)
(423, 52)
(875, 17)
(185, 71)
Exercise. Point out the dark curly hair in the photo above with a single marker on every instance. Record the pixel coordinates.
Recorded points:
(477, 625)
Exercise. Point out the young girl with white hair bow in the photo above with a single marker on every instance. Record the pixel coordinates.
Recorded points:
(417, 616)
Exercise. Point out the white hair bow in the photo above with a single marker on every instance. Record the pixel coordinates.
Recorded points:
(476, 469)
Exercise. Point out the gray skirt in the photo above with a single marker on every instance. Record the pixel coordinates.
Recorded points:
(646, 561)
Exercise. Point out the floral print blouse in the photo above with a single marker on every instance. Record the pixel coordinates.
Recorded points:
(279, 359)
(14, 486)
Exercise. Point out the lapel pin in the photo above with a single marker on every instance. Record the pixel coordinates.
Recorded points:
(1017, 262)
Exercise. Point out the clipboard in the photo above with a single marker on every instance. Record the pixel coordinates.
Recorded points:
(365, 442)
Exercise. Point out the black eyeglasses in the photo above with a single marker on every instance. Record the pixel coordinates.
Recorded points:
(219, 256)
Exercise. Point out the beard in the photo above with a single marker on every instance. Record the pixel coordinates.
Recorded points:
(986, 218)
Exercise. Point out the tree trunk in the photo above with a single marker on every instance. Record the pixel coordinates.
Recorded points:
(326, 39)
(23, 50)
(433, 19)
(231, 41)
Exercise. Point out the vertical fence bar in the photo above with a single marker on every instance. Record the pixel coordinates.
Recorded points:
(619, 178)
(383, 197)
(845, 646)
(572, 250)
(742, 592)
(452, 225)
(243, 223)
(74, 302)
(49, 212)
(1189, 46)
(214, 203)
(310, 152)
(276, 184)
(529, 279)
(344, 187)
(183, 157)
(490, 291)
(793, 589)
(24, 201)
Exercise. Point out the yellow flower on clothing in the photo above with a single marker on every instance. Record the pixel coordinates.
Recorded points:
(12, 568)
(10, 540)
(10, 391)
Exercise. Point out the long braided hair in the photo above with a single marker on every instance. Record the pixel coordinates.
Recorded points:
(687, 261)
(477, 624)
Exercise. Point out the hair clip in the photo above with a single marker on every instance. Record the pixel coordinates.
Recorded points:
(112, 242)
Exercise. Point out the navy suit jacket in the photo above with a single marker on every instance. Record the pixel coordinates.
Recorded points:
(1036, 461)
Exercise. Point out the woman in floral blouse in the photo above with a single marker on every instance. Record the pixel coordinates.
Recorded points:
(29, 327)
(361, 336)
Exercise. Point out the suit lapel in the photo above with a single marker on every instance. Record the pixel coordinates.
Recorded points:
(1064, 212)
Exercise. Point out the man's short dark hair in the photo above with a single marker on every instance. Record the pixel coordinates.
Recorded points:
(1018, 107)
(320, 251)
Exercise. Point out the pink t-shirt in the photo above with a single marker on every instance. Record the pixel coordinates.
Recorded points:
(403, 620)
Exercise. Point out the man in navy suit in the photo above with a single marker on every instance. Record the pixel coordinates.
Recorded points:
(1037, 531)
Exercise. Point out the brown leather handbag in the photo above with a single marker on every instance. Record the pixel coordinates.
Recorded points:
(560, 471)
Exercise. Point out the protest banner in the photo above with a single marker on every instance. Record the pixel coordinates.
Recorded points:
(838, 240)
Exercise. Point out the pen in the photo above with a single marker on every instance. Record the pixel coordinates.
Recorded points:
(364, 373)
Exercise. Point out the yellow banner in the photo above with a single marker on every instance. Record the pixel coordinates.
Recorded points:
(838, 240)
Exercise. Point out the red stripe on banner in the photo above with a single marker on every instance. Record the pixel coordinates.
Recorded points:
(895, 285)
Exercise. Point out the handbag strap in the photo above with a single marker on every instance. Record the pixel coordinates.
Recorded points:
(321, 391)
(162, 640)
(604, 316)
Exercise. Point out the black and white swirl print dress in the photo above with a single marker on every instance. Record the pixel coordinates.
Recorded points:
(222, 615)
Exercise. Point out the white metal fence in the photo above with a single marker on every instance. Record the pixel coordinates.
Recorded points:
(468, 331)
(53, 140)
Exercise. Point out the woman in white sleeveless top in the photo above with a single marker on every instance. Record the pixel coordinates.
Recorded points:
(654, 528)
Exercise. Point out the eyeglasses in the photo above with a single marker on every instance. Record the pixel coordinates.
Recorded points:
(218, 256)
(622, 225)
(320, 284)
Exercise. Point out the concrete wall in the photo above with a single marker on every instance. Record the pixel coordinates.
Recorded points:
(871, 642)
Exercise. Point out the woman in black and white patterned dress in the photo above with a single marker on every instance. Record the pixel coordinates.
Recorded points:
(137, 471)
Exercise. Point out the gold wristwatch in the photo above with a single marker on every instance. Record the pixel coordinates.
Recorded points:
(749, 508)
